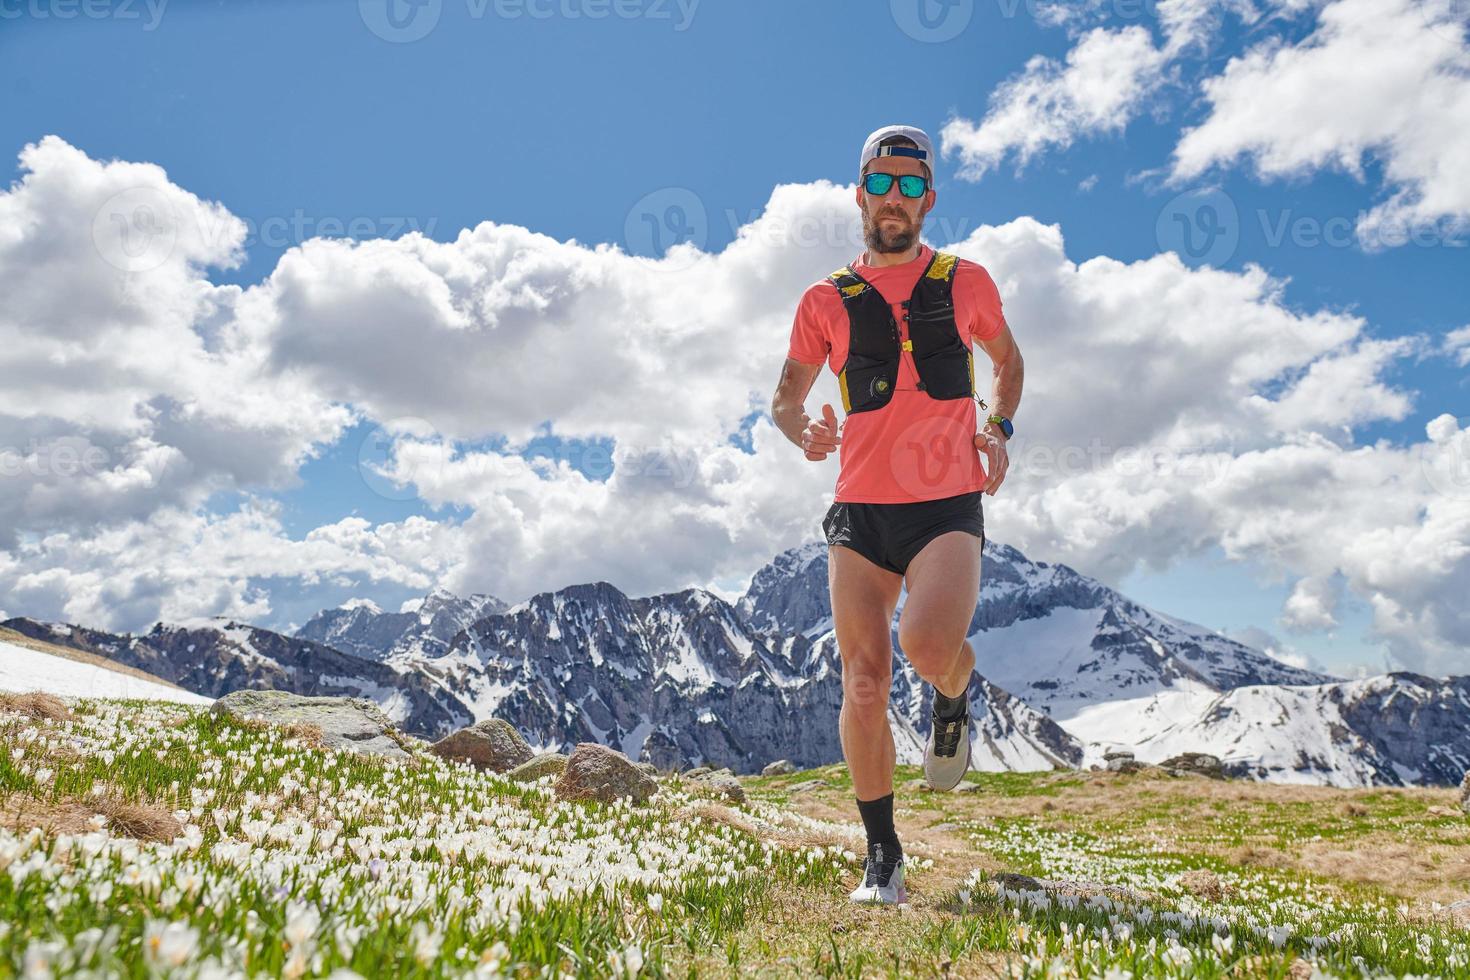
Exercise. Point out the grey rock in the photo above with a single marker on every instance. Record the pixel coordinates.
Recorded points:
(806, 786)
(1198, 763)
(725, 783)
(547, 764)
(697, 772)
(647, 767)
(346, 723)
(1127, 764)
(596, 772)
(916, 786)
(1080, 889)
(492, 744)
(780, 767)
(1111, 754)
(967, 786)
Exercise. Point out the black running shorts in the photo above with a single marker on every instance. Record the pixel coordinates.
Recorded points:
(890, 535)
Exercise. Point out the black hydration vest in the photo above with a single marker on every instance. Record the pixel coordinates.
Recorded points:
(945, 365)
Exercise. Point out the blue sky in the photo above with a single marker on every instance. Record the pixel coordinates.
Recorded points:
(303, 120)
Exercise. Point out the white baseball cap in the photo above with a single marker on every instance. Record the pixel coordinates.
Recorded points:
(924, 153)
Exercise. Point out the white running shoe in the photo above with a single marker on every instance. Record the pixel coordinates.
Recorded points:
(882, 879)
(947, 754)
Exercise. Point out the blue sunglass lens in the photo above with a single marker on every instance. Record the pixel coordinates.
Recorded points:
(909, 185)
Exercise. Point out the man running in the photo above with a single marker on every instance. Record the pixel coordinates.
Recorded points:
(896, 327)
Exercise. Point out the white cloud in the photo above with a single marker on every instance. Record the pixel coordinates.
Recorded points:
(1457, 345)
(1387, 80)
(121, 392)
(1049, 105)
(1167, 410)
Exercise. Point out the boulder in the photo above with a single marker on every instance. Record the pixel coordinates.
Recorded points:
(917, 786)
(1126, 764)
(1112, 754)
(492, 744)
(698, 771)
(1080, 889)
(647, 767)
(548, 764)
(967, 786)
(725, 782)
(356, 724)
(806, 786)
(596, 772)
(780, 767)
(1197, 763)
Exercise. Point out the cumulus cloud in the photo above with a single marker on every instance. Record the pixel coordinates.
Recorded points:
(1386, 80)
(1168, 410)
(1383, 82)
(121, 391)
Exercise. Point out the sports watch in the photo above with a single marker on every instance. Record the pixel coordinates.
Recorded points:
(1005, 425)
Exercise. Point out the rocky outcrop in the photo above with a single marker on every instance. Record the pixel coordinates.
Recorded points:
(1194, 764)
(780, 767)
(356, 724)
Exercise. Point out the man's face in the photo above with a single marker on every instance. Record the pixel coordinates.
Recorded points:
(892, 222)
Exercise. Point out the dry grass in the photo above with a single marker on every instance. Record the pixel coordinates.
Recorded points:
(35, 704)
(74, 815)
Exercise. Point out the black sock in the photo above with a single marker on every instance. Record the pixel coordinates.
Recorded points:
(948, 709)
(878, 822)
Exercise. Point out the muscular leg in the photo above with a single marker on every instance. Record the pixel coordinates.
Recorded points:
(863, 599)
(943, 582)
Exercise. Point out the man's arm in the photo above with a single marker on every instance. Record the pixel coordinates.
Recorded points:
(788, 410)
(1005, 398)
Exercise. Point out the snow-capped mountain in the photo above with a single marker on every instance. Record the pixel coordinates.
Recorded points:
(423, 627)
(1068, 669)
(215, 656)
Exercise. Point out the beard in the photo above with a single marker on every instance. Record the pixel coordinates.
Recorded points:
(886, 239)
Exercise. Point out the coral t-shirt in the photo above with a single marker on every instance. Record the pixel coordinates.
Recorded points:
(915, 447)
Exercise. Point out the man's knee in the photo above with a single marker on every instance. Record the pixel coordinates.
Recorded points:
(929, 651)
(866, 683)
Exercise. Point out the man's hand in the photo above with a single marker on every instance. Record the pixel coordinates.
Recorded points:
(992, 442)
(821, 436)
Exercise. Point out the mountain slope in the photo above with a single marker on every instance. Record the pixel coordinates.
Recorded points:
(423, 628)
(215, 656)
